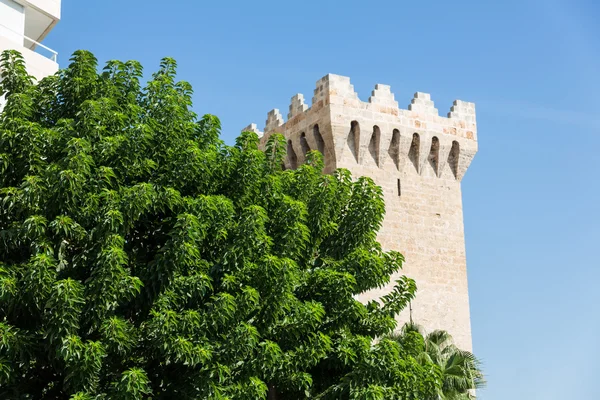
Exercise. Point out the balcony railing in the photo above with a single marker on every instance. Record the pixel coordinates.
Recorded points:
(29, 43)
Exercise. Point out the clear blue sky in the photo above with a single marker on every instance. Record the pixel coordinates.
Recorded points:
(531, 196)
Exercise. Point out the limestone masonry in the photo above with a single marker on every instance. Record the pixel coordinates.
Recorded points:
(419, 159)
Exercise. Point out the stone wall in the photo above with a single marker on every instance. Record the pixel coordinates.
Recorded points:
(419, 159)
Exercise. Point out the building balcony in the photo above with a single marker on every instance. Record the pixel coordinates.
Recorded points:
(41, 61)
(23, 25)
(40, 17)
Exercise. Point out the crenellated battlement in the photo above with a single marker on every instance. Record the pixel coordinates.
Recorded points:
(375, 132)
(297, 106)
(418, 158)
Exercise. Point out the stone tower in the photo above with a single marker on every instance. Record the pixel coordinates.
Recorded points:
(419, 159)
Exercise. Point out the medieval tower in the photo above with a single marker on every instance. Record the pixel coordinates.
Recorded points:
(419, 159)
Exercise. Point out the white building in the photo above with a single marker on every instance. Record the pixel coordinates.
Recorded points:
(23, 26)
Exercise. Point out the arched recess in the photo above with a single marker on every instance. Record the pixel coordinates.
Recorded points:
(354, 139)
(292, 155)
(394, 150)
(374, 144)
(413, 153)
(453, 158)
(319, 139)
(434, 154)
(304, 144)
(320, 142)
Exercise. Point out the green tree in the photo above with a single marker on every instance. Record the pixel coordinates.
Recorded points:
(141, 257)
(461, 370)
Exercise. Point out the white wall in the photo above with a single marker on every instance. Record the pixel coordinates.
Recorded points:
(12, 16)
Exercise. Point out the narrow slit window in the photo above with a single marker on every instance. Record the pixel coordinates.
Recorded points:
(399, 188)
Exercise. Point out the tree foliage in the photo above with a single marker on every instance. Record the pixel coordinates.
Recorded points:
(141, 257)
(461, 370)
